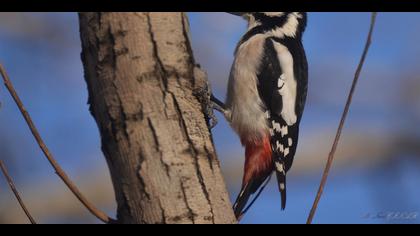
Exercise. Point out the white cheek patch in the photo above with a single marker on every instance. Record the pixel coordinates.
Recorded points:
(288, 88)
(290, 28)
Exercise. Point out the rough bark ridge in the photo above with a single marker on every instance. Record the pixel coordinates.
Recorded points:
(141, 75)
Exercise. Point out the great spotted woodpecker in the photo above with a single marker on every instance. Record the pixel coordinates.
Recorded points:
(266, 96)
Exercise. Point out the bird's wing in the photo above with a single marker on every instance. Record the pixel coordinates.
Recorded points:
(279, 89)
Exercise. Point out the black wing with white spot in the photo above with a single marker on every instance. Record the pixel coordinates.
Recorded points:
(284, 137)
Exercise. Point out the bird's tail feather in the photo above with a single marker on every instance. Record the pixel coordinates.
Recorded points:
(258, 166)
(240, 203)
(281, 181)
(242, 199)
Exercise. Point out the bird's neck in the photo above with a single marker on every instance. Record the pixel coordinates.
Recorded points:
(289, 24)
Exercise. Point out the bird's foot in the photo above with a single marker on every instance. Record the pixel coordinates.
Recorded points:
(208, 101)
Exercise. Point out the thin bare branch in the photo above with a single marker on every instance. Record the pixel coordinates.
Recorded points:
(59, 171)
(342, 122)
(15, 192)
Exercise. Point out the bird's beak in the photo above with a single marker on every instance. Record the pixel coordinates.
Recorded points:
(237, 13)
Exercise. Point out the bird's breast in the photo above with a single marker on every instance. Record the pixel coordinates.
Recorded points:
(248, 116)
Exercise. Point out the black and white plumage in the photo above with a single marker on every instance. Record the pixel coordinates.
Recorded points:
(266, 97)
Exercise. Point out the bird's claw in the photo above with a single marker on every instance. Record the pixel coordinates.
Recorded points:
(204, 97)
(208, 101)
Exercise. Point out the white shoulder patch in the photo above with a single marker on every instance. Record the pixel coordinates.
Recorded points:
(288, 90)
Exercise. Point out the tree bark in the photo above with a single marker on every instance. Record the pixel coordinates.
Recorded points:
(141, 75)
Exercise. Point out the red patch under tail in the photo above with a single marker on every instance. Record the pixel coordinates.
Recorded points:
(258, 159)
(258, 166)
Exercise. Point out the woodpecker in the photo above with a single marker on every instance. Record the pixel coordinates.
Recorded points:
(265, 99)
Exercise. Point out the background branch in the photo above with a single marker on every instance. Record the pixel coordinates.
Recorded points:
(15, 192)
(59, 171)
(343, 119)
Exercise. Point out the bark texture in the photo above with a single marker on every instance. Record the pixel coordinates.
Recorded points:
(141, 75)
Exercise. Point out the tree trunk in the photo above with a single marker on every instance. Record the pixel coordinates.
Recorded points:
(141, 75)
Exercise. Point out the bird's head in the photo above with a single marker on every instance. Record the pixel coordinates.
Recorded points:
(291, 23)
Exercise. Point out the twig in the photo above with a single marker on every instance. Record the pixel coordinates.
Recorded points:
(59, 171)
(343, 119)
(15, 192)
